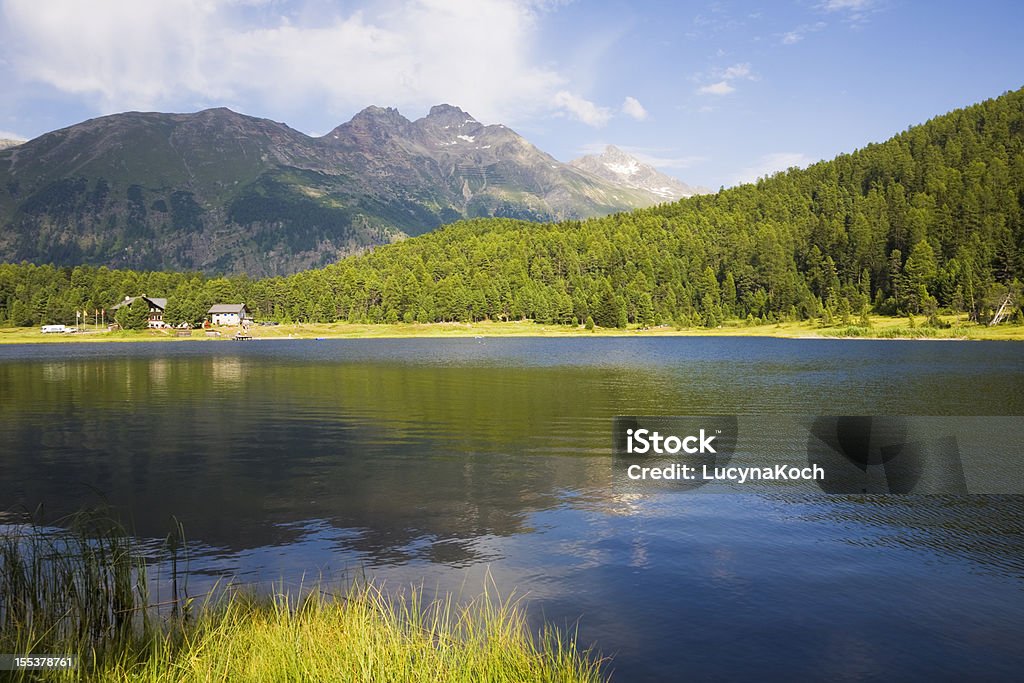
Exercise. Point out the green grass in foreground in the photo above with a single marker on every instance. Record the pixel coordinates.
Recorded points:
(82, 592)
(882, 327)
(363, 635)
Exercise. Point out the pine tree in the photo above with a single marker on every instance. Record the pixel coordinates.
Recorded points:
(134, 316)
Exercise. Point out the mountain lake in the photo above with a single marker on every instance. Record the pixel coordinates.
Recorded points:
(455, 463)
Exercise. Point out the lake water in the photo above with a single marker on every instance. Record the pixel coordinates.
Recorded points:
(443, 461)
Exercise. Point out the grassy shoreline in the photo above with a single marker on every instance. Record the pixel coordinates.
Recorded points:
(82, 591)
(882, 327)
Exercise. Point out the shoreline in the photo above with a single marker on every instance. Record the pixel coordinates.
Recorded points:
(886, 328)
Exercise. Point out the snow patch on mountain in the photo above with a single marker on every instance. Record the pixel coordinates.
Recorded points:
(620, 168)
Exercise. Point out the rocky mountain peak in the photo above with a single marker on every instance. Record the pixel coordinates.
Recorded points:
(449, 114)
(619, 162)
(447, 117)
(372, 123)
(382, 115)
(611, 151)
(619, 167)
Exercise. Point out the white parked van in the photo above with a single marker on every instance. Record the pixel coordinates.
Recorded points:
(51, 329)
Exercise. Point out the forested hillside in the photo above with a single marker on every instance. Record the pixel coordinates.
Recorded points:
(931, 219)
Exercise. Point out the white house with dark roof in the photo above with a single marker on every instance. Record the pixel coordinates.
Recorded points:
(157, 306)
(228, 314)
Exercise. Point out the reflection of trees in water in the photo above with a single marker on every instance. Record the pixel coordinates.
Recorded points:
(55, 372)
(420, 458)
(402, 453)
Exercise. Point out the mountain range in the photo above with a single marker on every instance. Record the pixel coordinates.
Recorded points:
(222, 192)
(928, 221)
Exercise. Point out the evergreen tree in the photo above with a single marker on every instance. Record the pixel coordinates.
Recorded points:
(134, 316)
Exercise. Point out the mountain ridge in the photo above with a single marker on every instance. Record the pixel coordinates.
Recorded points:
(225, 192)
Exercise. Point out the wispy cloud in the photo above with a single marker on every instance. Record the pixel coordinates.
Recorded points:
(854, 11)
(124, 54)
(582, 109)
(719, 88)
(631, 107)
(846, 5)
(770, 164)
(737, 71)
(800, 32)
(727, 78)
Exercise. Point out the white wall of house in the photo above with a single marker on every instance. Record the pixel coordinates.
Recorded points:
(225, 319)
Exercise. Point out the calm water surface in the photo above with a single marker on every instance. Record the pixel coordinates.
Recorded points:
(440, 461)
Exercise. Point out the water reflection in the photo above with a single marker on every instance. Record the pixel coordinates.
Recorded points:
(439, 460)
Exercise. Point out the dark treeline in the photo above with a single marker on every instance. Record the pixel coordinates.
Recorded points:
(930, 220)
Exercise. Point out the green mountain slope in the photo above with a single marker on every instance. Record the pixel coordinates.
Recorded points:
(931, 219)
(227, 193)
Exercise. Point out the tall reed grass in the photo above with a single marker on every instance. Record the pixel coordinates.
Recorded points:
(77, 588)
(82, 590)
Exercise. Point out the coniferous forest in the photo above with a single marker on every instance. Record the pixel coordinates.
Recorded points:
(931, 220)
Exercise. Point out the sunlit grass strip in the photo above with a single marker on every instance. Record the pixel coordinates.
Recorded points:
(82, 591)
(879, 329)
(957, 332)
(364, 635)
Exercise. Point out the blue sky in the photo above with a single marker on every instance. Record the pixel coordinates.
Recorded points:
(714, 93)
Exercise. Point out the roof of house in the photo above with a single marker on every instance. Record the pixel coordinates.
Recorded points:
(159, 302)
(227, 308)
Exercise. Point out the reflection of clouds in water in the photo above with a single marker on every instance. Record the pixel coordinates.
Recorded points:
(624, 504)
(639, 558)
(723, 565)
(325, 555)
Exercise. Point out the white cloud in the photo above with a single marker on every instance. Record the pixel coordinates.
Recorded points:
(8, 135)
(728, 77)
(99, 49)
(126, 54)
(719, 88)
(659, 160)
(847, 5)
(582, 109)
(632, 107)
(800, 32)
(737, 71)
(856, 11)
(770, 164)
